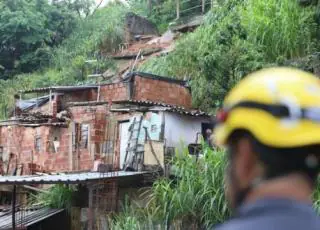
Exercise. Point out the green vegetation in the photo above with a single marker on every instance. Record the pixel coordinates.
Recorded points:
(283, 29)
(30, 29)
(162, 13)
(58, 196)
(194, 198)
(43, 44)
(237, 38)
(90, 38)
(316, 198)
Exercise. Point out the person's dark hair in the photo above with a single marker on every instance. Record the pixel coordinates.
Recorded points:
(282, 161)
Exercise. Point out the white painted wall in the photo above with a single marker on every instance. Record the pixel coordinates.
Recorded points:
(181, 129)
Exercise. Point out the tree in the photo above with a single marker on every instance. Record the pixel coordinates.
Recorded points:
(30, 28)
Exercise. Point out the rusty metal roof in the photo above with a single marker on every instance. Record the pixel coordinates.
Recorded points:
(26, 217)
(159, 106)
(68, 178)
(129, 76)
(59, 89)
(156, 77)
(35, 119)
(148, 106)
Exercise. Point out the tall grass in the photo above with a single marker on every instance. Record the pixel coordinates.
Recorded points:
(316, 197)
(58, 196)
(283, 28)
(194, 198)
(98, 33)
(101, 32)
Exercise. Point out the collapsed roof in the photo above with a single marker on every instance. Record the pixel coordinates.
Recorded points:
(59, 89)
(28, 104)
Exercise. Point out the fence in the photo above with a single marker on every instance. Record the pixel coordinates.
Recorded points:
(187, 7)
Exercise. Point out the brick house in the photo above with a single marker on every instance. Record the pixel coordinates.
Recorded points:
(69, 128)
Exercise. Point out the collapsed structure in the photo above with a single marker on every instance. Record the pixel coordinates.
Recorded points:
(134, 121)
(69, 127)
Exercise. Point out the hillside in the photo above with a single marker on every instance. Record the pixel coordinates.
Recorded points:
(66, 63)
(239, 37)
(236, 38)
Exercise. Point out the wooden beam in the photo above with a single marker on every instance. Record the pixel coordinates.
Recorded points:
(203, 6)
(178, 8)
(35, 189)
(90, 208)
(98, 96)
(14, 197)
(50, 102)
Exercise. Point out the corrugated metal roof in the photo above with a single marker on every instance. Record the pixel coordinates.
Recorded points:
(84, 87)
(72, 178)
(27, 217)
(131, 75)
(152, 106)
(59, 89)
(159, 106)
(26, 105)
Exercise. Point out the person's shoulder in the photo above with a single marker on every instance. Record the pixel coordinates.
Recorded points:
(232, 225)
(278, 222)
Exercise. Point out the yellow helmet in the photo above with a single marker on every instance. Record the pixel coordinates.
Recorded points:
(280, 107)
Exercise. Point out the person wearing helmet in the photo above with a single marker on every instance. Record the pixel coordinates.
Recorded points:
(270, 126)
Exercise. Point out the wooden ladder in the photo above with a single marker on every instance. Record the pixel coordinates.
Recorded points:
(134, 156)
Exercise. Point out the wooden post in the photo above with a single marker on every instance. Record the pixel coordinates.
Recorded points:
(178, 9)
(203, 6)
(90, 208)
(37, 100)
(99, 89)
(50, 102)
(14, 196)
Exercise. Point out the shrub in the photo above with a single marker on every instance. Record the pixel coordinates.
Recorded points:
(58, 196)
(195, 197)
(282, 28)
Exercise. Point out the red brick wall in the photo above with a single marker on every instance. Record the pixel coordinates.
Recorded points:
(76, 96)
(115, 92)
(60, 102)
(58, 161)
(95, 116)
(20, 141)
(161, 91)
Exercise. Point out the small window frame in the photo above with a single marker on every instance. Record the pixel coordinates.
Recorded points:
(84, 136)
(37, 143)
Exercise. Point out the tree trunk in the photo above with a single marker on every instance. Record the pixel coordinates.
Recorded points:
(178, 9)
(149, 7)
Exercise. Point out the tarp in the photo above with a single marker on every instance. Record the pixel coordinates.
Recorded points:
(26, 105)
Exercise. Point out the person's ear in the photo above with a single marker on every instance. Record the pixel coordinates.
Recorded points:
(246, 162)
